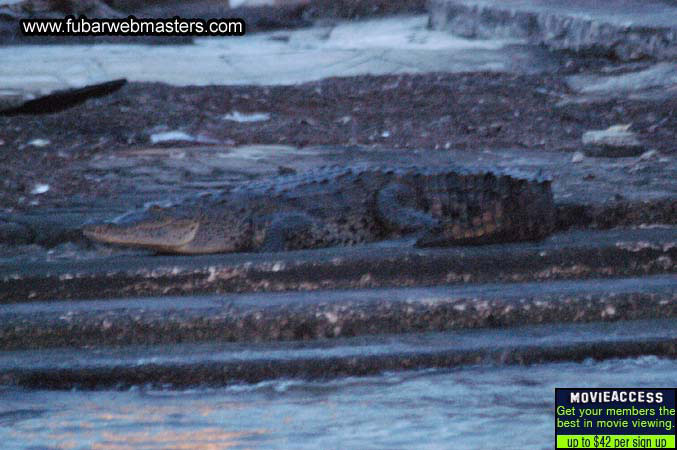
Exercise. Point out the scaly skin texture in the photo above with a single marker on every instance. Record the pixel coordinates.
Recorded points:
(345, 206)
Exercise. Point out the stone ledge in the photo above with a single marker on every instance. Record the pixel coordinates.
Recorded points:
(623, 29)
(571, 255)
(316, 315)
(181, 366)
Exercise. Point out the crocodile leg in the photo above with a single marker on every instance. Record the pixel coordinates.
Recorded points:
(503, 210)
(396, 205)
(290, 231)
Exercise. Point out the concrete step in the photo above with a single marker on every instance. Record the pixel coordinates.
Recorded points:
(570, 255)
(623, 29)
(188, 365)
(304, 316)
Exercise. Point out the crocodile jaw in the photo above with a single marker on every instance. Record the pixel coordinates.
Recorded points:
(169, 235)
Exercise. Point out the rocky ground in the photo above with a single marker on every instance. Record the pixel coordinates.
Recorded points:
(430, 113)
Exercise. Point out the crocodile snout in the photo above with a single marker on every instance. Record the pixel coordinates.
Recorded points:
(164, 235)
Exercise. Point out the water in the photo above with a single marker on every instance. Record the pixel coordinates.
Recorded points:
(467, 408)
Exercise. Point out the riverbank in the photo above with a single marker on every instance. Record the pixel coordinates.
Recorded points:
(217, 112)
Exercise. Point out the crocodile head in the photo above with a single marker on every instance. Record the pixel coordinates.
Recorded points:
(165, 234)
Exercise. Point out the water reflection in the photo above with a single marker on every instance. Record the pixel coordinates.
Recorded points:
(463, 408)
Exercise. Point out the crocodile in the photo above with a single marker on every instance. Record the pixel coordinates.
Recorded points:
(336, 206)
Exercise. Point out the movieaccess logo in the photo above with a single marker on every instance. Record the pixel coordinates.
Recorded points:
(615, 418)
